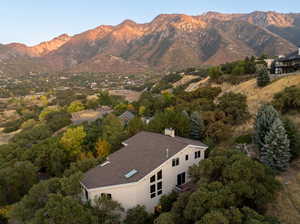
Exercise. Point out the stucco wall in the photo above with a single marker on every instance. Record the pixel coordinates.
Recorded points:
(130, 195)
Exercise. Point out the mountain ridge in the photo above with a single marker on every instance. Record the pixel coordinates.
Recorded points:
(168, 41)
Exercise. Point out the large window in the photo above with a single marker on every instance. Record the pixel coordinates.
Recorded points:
(152, 179)
(197, 154)
(159, 175)
(156, 184)
(175, 162)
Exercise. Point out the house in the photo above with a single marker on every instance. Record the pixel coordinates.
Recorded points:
(147, 167)
(290, 63)
(126, 117)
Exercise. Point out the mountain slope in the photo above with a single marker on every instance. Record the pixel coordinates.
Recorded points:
(169, 41)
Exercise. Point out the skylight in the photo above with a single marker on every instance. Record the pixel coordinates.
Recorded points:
(130, 173)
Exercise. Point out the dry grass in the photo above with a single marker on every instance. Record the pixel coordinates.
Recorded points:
(4, 137)
(257, 96)
(129, 95)
(287, 205)
(185, 79)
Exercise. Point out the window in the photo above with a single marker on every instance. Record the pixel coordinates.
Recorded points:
(153, 195)
(175, 162)
(159, 185)
(186, 157)
(197, 154)
(106, 195)
(86, 194)
(159, 192)
(152, 188)
(159, 175)
(152, 179)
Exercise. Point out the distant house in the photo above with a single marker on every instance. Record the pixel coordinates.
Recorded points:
(290, 63)
(126, 117)
(149, 166)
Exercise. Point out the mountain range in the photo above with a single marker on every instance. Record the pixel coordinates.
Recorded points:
(170, 41)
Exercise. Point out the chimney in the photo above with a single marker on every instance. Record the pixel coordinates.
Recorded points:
(170, 132)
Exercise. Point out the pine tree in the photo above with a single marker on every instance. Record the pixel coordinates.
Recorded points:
(197, 126)
(263, 77)
(276, 152)
(264, 120)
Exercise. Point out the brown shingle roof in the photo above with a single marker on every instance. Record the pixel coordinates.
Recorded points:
(144, 152)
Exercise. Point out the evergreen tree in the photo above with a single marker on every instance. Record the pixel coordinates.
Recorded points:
(264, 120)
(263, 77)
(197, 126)
(276, 152)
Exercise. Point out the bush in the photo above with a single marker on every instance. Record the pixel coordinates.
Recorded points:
(244, 139)
(287, 100)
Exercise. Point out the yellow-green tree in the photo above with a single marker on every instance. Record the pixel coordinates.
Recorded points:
(75, 106)
(103, 148)
(46, 111)
(72, 140)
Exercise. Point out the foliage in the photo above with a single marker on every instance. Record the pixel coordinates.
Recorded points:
(57, 120)
(61, 210)
(276, 152)
(165, 218)
(15, 181)
(137, 215)
(196, 126)
(135, 125)
(12, 125)
(107, 210)
(103, 148)
(72, 140)
(28, 124)
(235, 107)
(265, 117)
(46, 111)
(112, 130)
(293, 135)
(170, 119)
(75, 106)
(287, 100)
(263, 78)
(166, 201)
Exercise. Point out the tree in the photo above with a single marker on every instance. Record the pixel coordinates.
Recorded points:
(47, 110)
(165, 218)
(135, 125)
(107, 210)
(287, 100)
(215, 73)
(137, 215)
(276, 152)
(294, 137)
(61, 210)
(15, 181)
(75, 106)
(166, 201)
(57, 120)
(72, 140)
(235, 107)
(263, 78)
(265, 117)
(103, 148)
(197, 126)
(112, 130)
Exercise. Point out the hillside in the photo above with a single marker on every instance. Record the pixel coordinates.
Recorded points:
(170, 41)
(255, 95)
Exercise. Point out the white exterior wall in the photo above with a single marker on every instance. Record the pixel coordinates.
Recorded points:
(130, 195)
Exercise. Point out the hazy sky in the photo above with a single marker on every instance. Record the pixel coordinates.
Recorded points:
(33, 21)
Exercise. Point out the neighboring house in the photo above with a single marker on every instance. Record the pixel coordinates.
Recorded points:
(149, 166)
(126, 117)
(290, 63)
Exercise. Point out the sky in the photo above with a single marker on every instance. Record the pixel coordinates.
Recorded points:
(34, 21)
